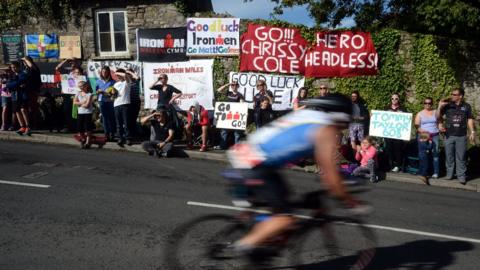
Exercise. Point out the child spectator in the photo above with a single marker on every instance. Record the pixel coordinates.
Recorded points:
(197, 118)
(161, 134)
(302, 94)
(366, 155)
(84, 101)
(6, 104)
(265, 113)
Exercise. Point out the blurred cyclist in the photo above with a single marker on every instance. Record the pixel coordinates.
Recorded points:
(299, 134)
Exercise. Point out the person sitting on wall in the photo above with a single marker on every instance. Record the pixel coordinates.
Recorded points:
(161, 134)
(197, 118)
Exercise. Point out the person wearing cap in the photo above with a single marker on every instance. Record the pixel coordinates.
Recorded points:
(197, 118)
(121, 106)
(161, 134)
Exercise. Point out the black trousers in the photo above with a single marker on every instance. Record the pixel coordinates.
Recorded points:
(152, 147)
(395, 153)
(122, 120)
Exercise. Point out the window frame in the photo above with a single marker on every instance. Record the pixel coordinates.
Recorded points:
(111, 11)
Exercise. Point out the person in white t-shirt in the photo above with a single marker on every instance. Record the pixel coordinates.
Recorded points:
(121, 105)
(84, 100)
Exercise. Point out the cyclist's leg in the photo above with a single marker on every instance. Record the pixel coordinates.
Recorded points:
(274, 192)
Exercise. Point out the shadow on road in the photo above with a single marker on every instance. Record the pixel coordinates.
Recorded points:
(418, 255)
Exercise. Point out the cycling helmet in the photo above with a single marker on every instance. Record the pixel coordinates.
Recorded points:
(338, 106)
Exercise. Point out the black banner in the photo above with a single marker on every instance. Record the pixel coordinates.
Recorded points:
(12, 48)
(50, 82)
(162, 44)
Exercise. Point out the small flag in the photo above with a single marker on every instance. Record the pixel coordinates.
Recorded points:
(42, 46)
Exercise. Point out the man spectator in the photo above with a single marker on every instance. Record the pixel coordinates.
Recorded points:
(17, 86)
(232, 96)
(161, 134)
(323, 91)
(121, 106)
(198, 120)
(134, 101)
(457, 115)
(262, 94)
(359, 118)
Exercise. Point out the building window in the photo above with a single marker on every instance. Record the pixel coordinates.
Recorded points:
(112, 32)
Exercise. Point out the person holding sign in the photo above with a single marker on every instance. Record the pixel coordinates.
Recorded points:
(232, 96)
(458, 118)
(395, 147)
(84, 101)
(426, 122)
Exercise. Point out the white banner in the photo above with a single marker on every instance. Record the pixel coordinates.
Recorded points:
(213, 36)
(394, 125)
(194, 78)
(231, 115)
(94, 68)
(70, 83)
(284, 88)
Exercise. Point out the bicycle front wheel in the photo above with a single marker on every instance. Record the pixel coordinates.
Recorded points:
(340, 244)
(202, 244)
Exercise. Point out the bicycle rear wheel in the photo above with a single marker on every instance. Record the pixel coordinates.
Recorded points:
(334, 245)
(200, 244)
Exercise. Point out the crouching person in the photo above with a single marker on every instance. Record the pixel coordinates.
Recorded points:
(366, 155)
(161, 134)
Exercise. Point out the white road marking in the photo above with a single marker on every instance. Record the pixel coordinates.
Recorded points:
(373, 226)
(23, 184)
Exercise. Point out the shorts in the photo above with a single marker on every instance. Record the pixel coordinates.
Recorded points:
(262, 186)
(6, 102)
(19, 100)
(357, 132)
(84, 122)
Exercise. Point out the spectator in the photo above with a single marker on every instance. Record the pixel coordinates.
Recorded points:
(265, 113)
(366, 154)
(17, 85)
(51, 112)
(458, 116)
(262, 94)
(32, 86)
(395, 147)
(134, 101)
(232, 96)
(428, 138)
(161, 134)
(105, 99)
(198, 120)
(302, 94)
(74, 68)
(359, 120)
(6, 104)
(323, 91)
(84, 101)
(167, 94)
(121, 105)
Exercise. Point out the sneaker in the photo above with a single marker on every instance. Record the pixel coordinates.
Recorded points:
(120, 142)
(374, 179)
(27, 132)
(435, 176)
(3, 128)
(11, 129)
(462, 181)
(425, 180)
(21, 131)
(129, 143)
(203, 148)
(449, 177)
(217, 147)
(189, 146)
(395, 169)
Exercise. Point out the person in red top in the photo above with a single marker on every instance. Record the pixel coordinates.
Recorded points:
(197, 117)
(366, 155)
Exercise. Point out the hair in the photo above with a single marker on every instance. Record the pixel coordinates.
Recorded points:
(429, 98)
(80, 69)
(120, 70)
(369, 139)
(300, 91)
(106, 68)
(356, 93)
(460, 90)
(34, 66)
(163, 75)
(262, 81)
(16, 64)
(89, 89)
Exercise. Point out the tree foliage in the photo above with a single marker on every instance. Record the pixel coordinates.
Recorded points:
(457, 18)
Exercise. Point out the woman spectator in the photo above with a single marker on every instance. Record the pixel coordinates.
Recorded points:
(167, 94)
(105, 99)
(6, 104)
(366, 154)
(359, 120)
(121, 105)
(302, 94)
(84, 101)
(16, 84)
(197, 118)
(232, 96)
(134, 101)
(428, 138)
(265, 113)
(395, 147)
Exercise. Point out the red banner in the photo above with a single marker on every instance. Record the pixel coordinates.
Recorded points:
(341, 54)
(272, 49)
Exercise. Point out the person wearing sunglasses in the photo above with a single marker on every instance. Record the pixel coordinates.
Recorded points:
(458, 118)
(395, 147)
(426, 123)
(232, 95)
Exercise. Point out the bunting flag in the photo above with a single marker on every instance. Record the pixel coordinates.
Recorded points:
(42, 46)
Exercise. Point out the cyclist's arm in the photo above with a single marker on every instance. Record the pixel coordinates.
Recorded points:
(325, 147)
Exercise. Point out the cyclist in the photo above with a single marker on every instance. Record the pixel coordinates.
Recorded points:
(299, 134)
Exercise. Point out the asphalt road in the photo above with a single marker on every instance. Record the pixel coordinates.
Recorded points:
(111, 210)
